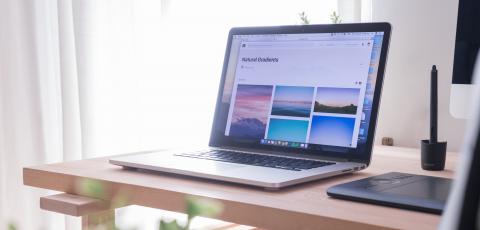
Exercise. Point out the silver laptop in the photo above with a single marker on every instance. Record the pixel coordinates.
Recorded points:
(295, 104)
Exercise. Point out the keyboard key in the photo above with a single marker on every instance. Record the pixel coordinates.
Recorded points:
(286, 163)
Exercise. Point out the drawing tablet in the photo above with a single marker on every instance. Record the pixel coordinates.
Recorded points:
(400, 190)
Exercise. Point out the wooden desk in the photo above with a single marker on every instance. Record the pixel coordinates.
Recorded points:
(305, 206)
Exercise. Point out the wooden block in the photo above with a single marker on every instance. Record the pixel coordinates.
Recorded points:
(73, 205)
(388, 141)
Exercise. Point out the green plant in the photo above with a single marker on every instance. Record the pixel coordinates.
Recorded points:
(194, 206)
(303, 18)
(335, 18)
(11, 226)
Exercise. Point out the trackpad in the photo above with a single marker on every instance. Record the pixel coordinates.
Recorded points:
(203, 166)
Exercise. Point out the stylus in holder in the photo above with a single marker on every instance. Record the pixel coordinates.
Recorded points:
(433, 152)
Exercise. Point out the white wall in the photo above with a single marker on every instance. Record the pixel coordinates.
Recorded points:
(423, 34)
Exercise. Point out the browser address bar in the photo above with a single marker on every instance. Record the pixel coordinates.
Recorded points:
(303, 44)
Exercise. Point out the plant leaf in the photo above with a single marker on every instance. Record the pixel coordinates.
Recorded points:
(91, 188)
(335, 18)
(11, 227)
(172, 225)
(303, 18)
(202, 207)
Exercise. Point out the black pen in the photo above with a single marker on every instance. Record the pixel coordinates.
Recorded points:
(433, 104)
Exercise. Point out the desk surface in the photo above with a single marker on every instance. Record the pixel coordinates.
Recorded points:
(305, 206)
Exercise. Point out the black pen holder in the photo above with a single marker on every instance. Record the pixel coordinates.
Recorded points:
(433, 155)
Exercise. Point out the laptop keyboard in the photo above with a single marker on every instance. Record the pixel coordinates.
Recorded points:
(257, 160)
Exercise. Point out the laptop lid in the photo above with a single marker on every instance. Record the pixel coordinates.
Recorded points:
(312, 90)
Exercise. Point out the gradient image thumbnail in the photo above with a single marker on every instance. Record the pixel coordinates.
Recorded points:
(337, 100)
(287, 130)
(295, 101)
(250, 111)
(337, 131)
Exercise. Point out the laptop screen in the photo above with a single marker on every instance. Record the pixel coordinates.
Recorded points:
(304, 91)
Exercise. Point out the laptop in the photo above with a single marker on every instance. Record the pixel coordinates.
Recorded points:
(295, 104)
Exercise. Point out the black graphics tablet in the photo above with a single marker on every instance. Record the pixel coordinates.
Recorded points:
(400, 190)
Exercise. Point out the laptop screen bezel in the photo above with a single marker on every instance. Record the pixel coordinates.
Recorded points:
(218, 139)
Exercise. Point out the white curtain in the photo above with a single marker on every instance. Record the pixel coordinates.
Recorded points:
(352, 11)
(86, 78)
(49, 64)
(39, 109)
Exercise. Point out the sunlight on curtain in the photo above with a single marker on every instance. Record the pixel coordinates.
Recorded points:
(39, 118)
(152, 70)
(149, 71)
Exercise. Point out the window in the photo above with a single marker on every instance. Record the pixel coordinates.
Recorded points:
(161, 91)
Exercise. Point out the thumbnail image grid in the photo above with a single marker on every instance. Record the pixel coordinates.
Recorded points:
(293, 101)
(287, 130)
(337, 100)
(331, 130)
(250, 111)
